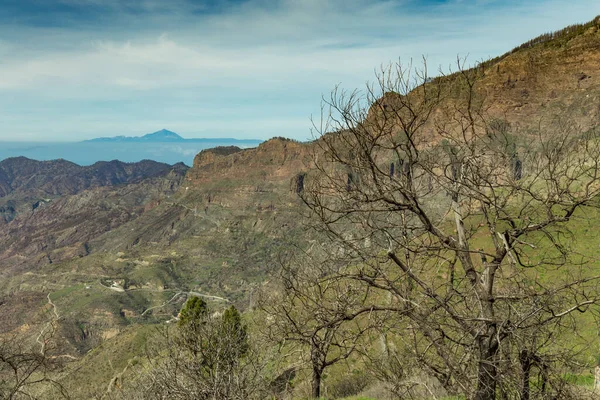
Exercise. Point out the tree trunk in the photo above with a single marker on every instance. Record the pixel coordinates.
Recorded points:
(486, 374)
(525, 360)
(316, 383)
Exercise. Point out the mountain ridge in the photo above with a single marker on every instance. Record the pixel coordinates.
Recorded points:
(25, 184)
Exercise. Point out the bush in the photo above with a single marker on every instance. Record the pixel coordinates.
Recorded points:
(348, 385)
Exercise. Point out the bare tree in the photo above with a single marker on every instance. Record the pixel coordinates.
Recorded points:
(316, 318)
(27, 372)
(463, 221)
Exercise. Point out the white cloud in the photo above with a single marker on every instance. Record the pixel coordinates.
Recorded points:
(230, 72)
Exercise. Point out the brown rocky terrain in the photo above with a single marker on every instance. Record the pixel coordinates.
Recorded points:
(60, 229)
(552, 78)
(228, 185)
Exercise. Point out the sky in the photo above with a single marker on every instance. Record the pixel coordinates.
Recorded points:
(77, 69)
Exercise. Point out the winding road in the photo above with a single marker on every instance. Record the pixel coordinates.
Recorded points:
(50, 323)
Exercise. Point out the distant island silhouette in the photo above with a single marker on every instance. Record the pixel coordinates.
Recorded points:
(165, 136)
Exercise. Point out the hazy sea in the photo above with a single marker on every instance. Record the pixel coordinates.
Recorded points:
(86, 153)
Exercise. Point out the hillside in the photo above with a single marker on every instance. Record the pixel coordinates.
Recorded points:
(221, 226)
(551, 78)
(547, 79)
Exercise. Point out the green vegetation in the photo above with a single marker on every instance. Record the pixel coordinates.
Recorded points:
(560, 37)
(205, 357)
(194, 312)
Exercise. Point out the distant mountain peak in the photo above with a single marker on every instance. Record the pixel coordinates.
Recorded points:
(163, 134)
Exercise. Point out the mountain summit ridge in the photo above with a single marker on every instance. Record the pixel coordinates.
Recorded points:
(162, 135)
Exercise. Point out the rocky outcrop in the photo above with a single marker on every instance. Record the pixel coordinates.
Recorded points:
(247, 178)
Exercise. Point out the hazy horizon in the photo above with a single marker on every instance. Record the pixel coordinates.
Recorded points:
(87, 153)
(117, 135)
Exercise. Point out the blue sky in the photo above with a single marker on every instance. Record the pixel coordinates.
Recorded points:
(76, 69)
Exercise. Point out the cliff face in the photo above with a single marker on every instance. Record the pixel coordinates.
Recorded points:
(555, 78)
(258, 177)
(275, 160)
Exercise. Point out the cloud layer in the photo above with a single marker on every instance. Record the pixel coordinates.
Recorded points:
(76, 69)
